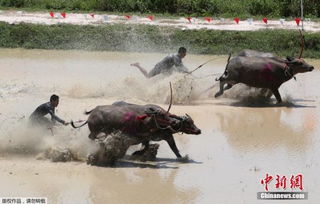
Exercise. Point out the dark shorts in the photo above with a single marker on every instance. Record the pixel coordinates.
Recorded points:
(155, 71)
(158, 70)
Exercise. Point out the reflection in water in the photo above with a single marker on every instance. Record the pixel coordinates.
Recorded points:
(80, 183)
(136, 186)
(42, 179)
(248, 128)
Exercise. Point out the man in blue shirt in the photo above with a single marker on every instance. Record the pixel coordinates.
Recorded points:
(38, 116)
(166, 66)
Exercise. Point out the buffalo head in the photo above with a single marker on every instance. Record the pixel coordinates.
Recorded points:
(185, 124)
(298, 65)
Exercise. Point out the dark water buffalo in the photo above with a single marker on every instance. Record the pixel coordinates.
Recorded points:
(143, 122)
(261, 70)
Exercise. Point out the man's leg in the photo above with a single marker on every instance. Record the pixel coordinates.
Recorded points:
(144, 72)
(42, 122)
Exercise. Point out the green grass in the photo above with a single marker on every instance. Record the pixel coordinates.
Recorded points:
(145, 38)
(221, 8)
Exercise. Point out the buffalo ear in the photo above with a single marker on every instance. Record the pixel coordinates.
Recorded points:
(150, 111)
(175, 117)
(189, 118)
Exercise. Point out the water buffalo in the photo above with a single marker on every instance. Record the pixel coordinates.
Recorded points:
(261, 70)
(144, 123)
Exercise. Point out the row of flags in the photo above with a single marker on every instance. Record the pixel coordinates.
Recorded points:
(188, 19)
(265, 20)
(249, 20)
(64, 15)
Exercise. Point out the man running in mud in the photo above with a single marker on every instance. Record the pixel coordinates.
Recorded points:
(166, 66)
(38, 116)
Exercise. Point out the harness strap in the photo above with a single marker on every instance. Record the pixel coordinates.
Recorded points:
(288, 71)
(168, 127)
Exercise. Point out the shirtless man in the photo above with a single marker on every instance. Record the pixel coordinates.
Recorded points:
(38, 116)
(166, 65)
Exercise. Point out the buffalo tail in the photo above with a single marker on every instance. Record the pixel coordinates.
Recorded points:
(225, 70)
(72, 124)
(88, 112)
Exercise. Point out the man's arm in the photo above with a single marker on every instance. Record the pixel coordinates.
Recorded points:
(56, 118)
(179, 65)
(182, 69)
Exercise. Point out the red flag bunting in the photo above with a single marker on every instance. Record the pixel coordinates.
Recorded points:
(209, 19)
(151, 17)
(51, 14)
(63, 14)
(236, 20)
(265, 20)
(297, 21)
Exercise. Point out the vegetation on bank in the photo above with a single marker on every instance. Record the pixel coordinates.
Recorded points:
(145, 38)
(223, 8)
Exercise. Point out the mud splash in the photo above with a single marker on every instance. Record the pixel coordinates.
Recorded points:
(155, 90)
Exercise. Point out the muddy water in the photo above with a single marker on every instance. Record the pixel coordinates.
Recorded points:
(241, 141)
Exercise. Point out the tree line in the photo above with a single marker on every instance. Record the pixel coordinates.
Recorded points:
(224, 8)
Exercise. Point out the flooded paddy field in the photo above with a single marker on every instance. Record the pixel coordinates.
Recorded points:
(242, 140)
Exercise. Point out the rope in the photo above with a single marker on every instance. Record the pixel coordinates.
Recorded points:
(168, 127)
(170, 98)
(206, 76)
(287, 72)
(201, 65)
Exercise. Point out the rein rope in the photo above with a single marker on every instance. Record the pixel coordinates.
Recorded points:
(168, 127)
(287, 72)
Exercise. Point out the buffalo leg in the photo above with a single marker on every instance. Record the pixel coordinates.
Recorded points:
(266, 93)
(173, 146)
(277, 95)
(220, 92)
(141, 152)
(93, 135)
(229, 86)
(269, 94)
